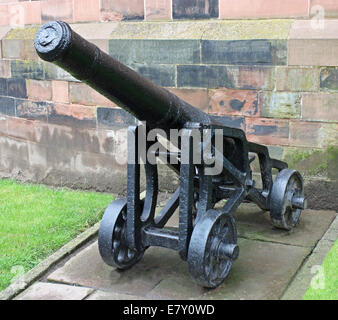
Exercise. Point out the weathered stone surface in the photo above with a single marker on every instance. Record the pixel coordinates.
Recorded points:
(57, 10)
(72, 115)
(86, 10)
(3, 87)
(329, 79)
(195, 9)
(32, 109)
(206, 30)
(234, 102)
(244, 52)
(330, 7)
(162, 75)
(80, 93)
(5, 68)
(267, 131)
(231, 121)
(280, 105)
(60, 91)
(332, 163)
(19, 49)
(196, 97)
(130, 51)
(255, 224)
(200, 76)
(315, 28)
(87, 268)
(252, 77)
(158, 10)
(313, 52)
(320, 106)
(39, 90)
(111, 117)
(17, 88)
(54, 291)
(27, 69)
(258, 274)
(105, 295)
(7, 106)
(112, 10)
(313, 134)
(260, 271)
(297, 79)
(263, 9)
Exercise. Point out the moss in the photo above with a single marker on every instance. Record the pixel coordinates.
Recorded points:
(26, 33)
(310, 162)
(211, 30)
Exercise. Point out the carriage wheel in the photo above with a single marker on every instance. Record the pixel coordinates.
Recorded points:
(212, 248)
(112, 243)
(287, 199)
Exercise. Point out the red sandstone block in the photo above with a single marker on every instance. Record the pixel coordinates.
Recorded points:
(158, 9)
(320, 107)
(86, 10)
(21, 129)
(233, 102)
(313, 52)
(60, 91)
(267, 131)
(57, 10)
(39, 90)
(115, 10)
(252, 77)
(230, 9)
(80, 93)
(76, 111)
(305, 134)
(4, 17)
(330, 7)
(196, 97)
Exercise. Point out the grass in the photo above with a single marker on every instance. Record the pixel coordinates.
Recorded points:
(329, 288)
(36, 220)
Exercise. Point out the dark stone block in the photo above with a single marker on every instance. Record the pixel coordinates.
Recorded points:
(329, 79)
(110, 117)
(243, 52)
(262, 130)
(129, 51)
(195, 9)
(203, 76)
(162, 75)
(17, 88)
(3, 87)
(7, 106)
(27, 69)
(34, 110)
(231, 121)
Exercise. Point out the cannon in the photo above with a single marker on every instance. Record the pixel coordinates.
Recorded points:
(213, 168)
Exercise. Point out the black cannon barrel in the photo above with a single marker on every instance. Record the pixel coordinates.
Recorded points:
(56, 42)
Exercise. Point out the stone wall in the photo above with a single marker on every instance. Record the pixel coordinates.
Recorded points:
(274, 76)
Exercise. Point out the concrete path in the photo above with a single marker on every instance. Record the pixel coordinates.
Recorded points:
(269, 260)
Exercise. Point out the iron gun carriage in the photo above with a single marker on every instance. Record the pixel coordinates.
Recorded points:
(215, 168)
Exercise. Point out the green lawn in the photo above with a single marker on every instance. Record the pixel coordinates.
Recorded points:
(36, 220)
(329, 289)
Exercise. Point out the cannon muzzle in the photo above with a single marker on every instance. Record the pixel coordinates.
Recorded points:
(56, 42)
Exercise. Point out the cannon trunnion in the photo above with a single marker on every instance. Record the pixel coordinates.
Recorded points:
(213, 162)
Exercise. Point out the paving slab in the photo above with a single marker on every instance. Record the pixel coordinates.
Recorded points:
(261, 272)
(88, 269)
(104, 295)
(53, 291)
(253, 223)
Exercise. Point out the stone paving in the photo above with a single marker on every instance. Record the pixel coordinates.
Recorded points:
(268, 261)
